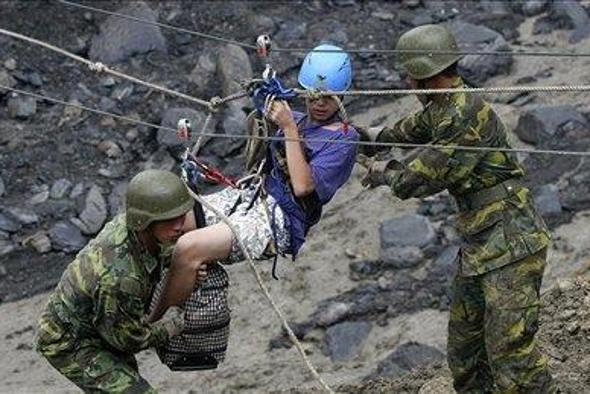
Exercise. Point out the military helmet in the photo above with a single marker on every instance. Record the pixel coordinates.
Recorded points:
(154, 195)
(423, 65)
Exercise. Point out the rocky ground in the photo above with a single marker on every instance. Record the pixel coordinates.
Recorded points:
(369, 294)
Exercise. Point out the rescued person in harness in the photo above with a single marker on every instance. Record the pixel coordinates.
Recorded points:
(303, 171)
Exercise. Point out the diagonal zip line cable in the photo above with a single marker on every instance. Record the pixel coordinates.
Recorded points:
(242, 44)
(100, 67)
(326, 140)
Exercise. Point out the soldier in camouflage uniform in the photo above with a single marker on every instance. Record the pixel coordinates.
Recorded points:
(96, 318)
(495, 309)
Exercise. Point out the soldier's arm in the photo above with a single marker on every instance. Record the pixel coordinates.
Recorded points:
(414, 129)
(434, 170)
(120, 316)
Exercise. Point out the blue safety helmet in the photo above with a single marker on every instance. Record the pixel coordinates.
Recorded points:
(326, 70)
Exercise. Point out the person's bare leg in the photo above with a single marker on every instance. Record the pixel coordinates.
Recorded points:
(193, 249)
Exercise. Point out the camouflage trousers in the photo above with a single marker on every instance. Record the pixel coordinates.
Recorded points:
(90, 366)
(492, 326)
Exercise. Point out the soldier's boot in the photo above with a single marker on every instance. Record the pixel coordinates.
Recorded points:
(466, 352)
(98, 370)
(511, 322)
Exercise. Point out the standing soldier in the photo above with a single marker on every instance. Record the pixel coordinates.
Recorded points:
(495, 310)
(96, 319)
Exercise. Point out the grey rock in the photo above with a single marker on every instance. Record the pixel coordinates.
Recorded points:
(443, 269)
(66, 237)
(107, 104)
(233, 66)
(203, 70)
(6, 247)
(534, 7)
(77, 190)
(2, 187)
(24, 216)
(9, 225)
(476, 69)
(116, 199)
(7, 79)
(4, 235)
(95, 212)
(547, 200)
(22, 107)
(108, 82)
(564, 15)
(110, 148)
(407, 357)
(35, 79)
(59, 188)
(168, 138)
(39, 241)
(383, 15)
(346, 340)
(542, 123)
(234, 122)
(3, 271)
(10, 64)
(39, 198)
(408, 230)
(261, 23)
(332, 313)
(291, 30)
(401, 257)
(120, 38)
(574, 15)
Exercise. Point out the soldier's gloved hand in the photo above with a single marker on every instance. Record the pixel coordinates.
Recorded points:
(369, 134)
(172, 321)
(380, 172)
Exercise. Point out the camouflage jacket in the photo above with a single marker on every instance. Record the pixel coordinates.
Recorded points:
(496, 233)
(103, 294)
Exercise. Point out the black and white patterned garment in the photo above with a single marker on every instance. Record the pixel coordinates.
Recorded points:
(253, 225)
(207, 320)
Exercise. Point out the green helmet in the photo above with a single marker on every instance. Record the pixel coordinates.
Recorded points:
(154, 195)
(423, 65)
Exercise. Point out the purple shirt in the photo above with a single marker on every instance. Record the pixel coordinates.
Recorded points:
(331, 164)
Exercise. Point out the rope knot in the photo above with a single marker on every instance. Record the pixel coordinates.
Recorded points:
(97, 67)
(214, 104)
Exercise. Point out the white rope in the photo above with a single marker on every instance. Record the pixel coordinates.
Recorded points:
(264, 289)
(493, 89)
(327, 140)
(102, 68)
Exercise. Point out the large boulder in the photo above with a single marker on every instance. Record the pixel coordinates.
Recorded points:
(22, 107)
(565, 15)
(233, 66)
(121, 38)
(94, 214)
(66, 237)
(476, 69)
(346, 340)
(9, 225)
(408, 230)
(547, 200)
(542, 123)
(406, 358)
